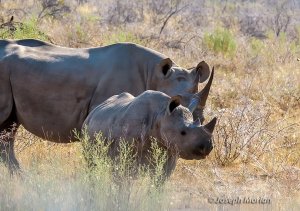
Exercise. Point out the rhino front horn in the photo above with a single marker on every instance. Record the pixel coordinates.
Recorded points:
(211, 125)
(201, 97)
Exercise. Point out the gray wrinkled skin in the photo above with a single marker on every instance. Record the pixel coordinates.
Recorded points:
(151, 114)
(50, 90)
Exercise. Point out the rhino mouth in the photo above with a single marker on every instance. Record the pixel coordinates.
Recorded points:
(199, 155)
(202, 151)
(194, 155)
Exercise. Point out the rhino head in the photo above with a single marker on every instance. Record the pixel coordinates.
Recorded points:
(179, 131)
(174, 80)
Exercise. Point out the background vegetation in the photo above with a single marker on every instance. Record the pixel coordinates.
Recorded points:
(255, 48)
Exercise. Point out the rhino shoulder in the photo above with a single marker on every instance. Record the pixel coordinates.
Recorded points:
(154, 96)
(150, 103)
(117, 100)
(124, 96)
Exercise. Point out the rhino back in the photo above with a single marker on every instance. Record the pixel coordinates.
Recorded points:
(125, 67)
(127, 116)
(109, 113)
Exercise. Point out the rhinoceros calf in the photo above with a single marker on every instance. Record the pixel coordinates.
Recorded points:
(152, 114)
(50, 90)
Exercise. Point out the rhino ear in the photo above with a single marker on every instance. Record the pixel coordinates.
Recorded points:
(173, 103)
(203, 71)
(164, 67)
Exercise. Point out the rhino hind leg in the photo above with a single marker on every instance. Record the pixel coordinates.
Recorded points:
(7, 154)
(8, 121)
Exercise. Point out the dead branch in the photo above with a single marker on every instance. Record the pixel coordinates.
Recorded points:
(172, 12)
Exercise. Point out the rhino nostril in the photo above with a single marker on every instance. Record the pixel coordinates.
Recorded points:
(205, 148)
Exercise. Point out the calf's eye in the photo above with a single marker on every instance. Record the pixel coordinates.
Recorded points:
(183, 133)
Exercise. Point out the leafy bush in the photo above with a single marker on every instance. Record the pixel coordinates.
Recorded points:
(24, 30)
(122, 169)
(220, 41)
(96, 153)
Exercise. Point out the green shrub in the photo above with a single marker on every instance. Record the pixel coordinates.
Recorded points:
(158, 158)
(256, 46)
(220, 41)
(119, 181)
(24, 30)
(95, 150)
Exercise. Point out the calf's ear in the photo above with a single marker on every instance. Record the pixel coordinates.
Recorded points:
(173, 103)
(164, 67)
(203, 71)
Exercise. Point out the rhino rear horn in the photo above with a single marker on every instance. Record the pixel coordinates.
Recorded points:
(201, 97)
(211, 125)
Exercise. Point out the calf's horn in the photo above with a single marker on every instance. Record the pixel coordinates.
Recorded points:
(201, 97)
(211, 125)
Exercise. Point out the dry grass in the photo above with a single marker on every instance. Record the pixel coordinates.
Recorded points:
(256, 94)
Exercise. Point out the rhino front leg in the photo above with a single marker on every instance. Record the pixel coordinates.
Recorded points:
(7, 154)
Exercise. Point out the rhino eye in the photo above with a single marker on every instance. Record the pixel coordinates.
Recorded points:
(183, 133)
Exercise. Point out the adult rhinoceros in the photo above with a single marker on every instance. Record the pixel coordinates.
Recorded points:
(50, 90)
(152, 114)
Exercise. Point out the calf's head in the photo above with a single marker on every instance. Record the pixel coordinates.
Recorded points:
(178, 130)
